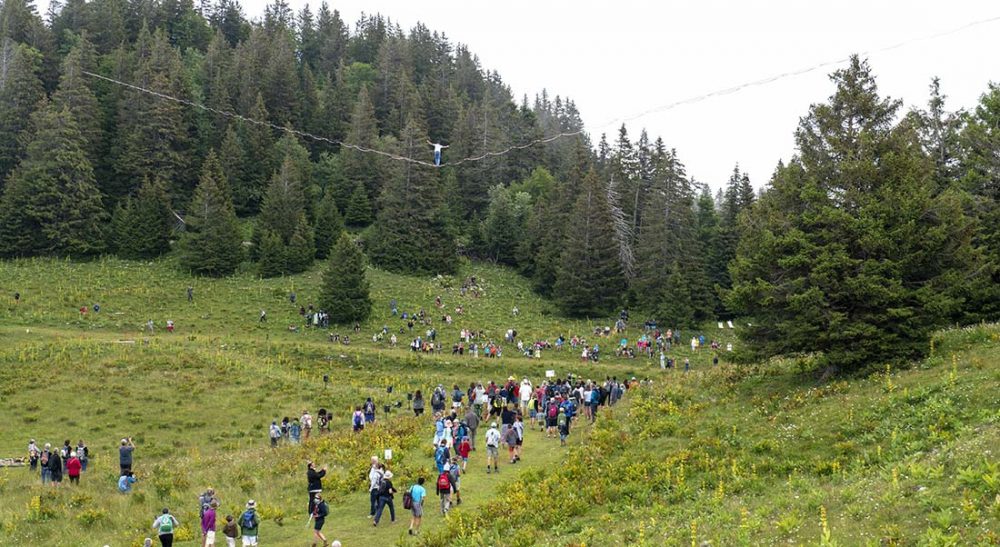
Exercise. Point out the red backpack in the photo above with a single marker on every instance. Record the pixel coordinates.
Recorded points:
(444, 482)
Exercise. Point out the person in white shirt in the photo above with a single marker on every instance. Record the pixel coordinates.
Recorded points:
(307, 423)
(374, 481)
(525, 395)
(492, 447)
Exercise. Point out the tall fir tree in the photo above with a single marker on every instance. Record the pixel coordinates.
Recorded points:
(75, 94)
(142, 226)
(852, 254)
(590, 281)
(329, 224)
(359, 208)
(51, 204)
(284, 215)
(20, 91)
(357, 166)
(409, 234)
(212, 244)
(345, 293)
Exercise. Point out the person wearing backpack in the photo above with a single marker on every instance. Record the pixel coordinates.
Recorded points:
(164, 526)
(385, 492)
(492, 447)
(518, 428)
(208, 523)
(358, 420)
(442, 455)
(418, 403)
(369, 411)
(314, 483)
(444, 490)
(249, 524)
(455, 475)
(319, 513)
(415, 498)
(562, 422)
(551, 415)
(274, 432)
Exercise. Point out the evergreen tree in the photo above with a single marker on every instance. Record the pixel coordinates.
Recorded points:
(211, 244)
(409, 234)
(20, 92)
(51, 204)
(710, 245)
(852, 253)
(345, 293)
(258, 150)
(329, 224)
(504, 225)
(590, 281)
(359, 209)
(141, 227)
(980, 165)
(284, 215)
(76, 95)
(358, 167)
(154, 134)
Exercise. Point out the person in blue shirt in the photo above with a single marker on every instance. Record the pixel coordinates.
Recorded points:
(125, 482)
(417, 493)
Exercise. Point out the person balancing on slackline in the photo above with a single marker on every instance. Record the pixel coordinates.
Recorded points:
(437, 151)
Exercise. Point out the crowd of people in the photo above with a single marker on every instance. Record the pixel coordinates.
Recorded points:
(53, 465)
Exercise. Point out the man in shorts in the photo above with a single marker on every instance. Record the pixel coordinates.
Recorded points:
(250, 524)
(417, 494)
(492, 447)
(320, 511)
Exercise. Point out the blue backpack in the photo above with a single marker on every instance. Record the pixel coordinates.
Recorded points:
(441, 455)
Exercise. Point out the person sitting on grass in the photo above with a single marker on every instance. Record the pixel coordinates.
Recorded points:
(125, 482)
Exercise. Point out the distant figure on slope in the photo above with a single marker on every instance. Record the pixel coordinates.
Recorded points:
(437, 151)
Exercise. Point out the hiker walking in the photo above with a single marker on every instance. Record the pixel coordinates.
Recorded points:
(472, 423)
(444, 490)
(274, 432)
(385, 492)
(307, 424)
(319, 513)
(250, 524)
(314, 484)
(164, 527)
(374, 479)
(208, 523)
(418, 403)
(83, 453)
(417, 494)
(33, 454)
(231, 531)
(492, 447)
(190, 293)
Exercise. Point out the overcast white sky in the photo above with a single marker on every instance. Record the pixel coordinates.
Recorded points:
(618, 58)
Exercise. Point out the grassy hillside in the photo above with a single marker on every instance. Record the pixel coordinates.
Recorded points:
(728, 455)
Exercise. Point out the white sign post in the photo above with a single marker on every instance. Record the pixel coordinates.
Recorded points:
(550, 374)
(388, 454)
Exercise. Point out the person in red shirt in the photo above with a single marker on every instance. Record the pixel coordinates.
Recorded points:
(464, 448)
(73, 467)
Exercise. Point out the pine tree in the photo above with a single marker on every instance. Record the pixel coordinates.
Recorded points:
(20, 92)
(852, 252)
(504, 225)
(154, 134)
(710, 245)
(75, 94)
(409, 234)
(358, 167)
(359, 209)
(211, 244)
(258, 151)
(283, 214)
(329, 225)
(141, 227)
(345, 293)
(51, 204)
(590, 281)
(980, 165)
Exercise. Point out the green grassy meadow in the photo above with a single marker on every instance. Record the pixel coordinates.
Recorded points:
(729, 455)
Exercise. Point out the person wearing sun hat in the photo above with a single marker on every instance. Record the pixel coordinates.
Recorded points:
(250, 524)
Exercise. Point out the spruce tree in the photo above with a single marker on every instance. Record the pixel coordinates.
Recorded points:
(141, 226)
(212, 243)
(75, 94)
(258, 151)
(51, 204)
(359, 209)
(409, 234)
(345, 292)
(852, 252)
(329, 225)
(358, 167)
(590, 281)
(283, 214)
(20, 91)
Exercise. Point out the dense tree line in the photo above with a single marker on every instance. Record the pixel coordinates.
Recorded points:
(882, 227)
